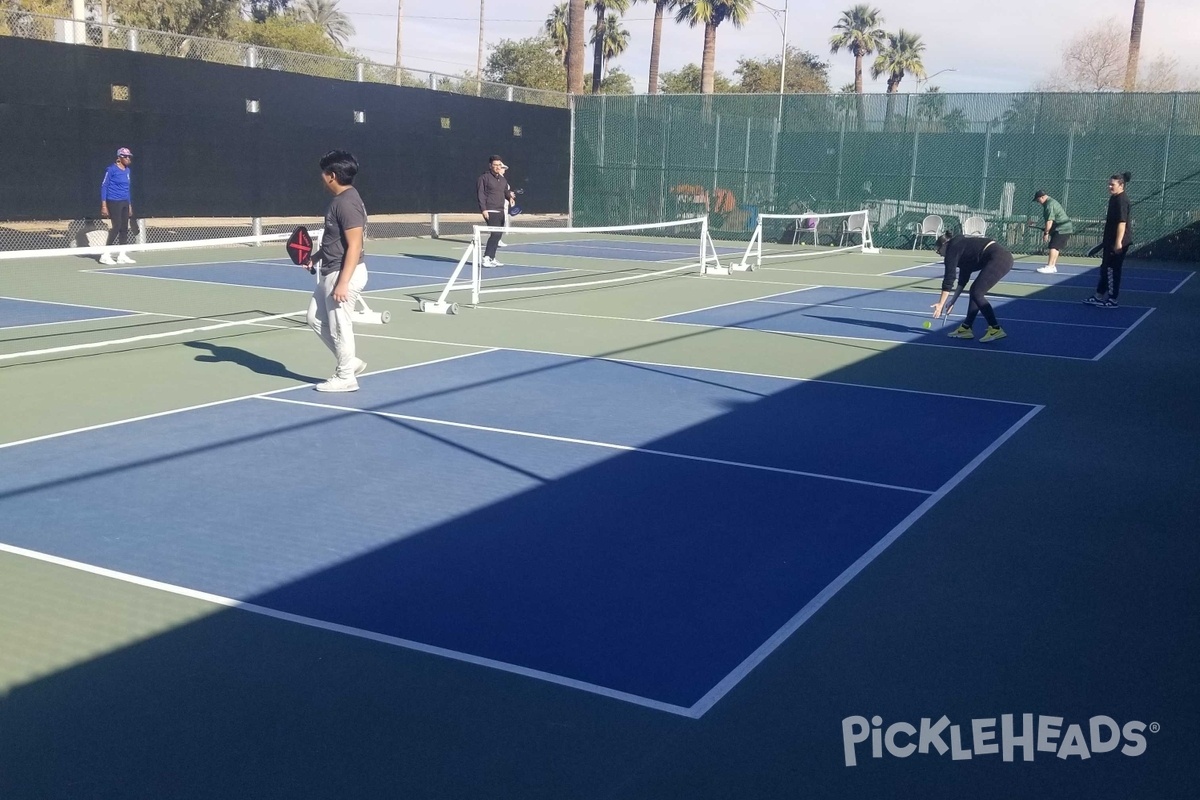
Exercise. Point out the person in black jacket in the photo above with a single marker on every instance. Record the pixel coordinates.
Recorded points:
(964, 255)
(1118, 236)
(493, 190)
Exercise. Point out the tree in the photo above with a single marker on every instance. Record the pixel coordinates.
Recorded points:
(601, 8)
(956, 121)
(528, 62)
(212, 18)
(1093, 61)
(260, 10)
(286, 32)
(806, 74)
(660, 6)
(617, 81)
(858, 30)
(558, 28)
(689, 79)
(899, 57)
(575, 44)
(337, 26)
(931, 105)
(614, 42)
(1135, 45)
(710, 14)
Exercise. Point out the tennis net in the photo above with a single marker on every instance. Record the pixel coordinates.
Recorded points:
(794, 236)
(547, 259)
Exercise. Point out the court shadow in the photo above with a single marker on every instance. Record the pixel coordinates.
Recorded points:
(863, 323)
(251, 361)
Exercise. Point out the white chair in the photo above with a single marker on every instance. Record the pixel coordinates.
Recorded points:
(930, 226)
(855, 223)
(974, 226)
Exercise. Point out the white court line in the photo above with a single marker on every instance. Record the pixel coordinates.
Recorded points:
(915, 266)
(334, 627)
(72, 305)
(1128, 331)
(927, 314)
(624, 448)
(155, 415)
(766, 648)
(118, 317)
(764, 299)
(1181, 283)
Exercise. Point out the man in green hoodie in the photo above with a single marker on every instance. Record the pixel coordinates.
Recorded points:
(1057, 232)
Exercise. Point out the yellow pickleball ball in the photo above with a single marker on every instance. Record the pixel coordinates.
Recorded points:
(926, 324)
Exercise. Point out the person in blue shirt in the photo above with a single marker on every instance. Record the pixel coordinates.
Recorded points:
(116, 203)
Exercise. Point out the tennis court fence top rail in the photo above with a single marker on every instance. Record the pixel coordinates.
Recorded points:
(19, 23)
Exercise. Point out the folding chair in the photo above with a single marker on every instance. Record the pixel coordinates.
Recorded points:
(930, 226)
(974, 226)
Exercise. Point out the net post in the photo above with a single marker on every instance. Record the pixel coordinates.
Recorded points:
(705, 269)
(868, 242)
(441, 306)
(434, 230)
(745, 265)
(477, 265)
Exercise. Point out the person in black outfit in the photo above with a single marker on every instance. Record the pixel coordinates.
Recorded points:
(962, 256)
(1118, 236)
(493, 190)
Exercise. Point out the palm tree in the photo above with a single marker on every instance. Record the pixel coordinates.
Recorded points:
(615, 39)
(710, 14)
(901, 56)
(577, 24)
(660, 6)
(1135, 45)
(337, 26)
(858, 31)
(557, 27)
(931, 105)
(602, 8)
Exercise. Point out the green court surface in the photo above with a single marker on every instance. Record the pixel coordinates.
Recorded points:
(1054, 576)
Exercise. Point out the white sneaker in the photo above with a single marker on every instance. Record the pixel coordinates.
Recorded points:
(123, 258)
(1047, 270)
(487, 262)
(107, 259)
(338, 385)
(359, 367)
(496, 263)
(501, 244)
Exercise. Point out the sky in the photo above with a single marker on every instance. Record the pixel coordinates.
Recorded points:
(983, 45)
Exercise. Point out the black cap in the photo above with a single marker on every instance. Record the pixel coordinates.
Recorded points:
(1039, 194)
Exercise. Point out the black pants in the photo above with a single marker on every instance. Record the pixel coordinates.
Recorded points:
(1110, 272)
(997, 263)
(118, 212)
(495, 220)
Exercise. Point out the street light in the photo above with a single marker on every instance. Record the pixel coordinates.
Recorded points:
(928, 78)
(775, 12)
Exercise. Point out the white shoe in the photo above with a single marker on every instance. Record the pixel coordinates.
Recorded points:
(496, 263)
(1047, 270)
(123, 258)
(360, 367)
(501, 244)
(487, 262)
(338, 385)
(107, 259)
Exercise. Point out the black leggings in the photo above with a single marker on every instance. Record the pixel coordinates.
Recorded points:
(495, 220)
(118, 212)
(996, 264)
(1110, 272)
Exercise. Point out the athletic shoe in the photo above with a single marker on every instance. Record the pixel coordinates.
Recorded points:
(961, 332)
(496, 263)
(107, 259)
(487, 262)
(1048, 270)
(993, 334)
(123, 258)
(360, 367)
(336, 384)
(1107, 302)
(501, 244)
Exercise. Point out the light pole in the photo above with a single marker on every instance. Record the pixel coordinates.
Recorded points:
(775, 12)
(928, 78)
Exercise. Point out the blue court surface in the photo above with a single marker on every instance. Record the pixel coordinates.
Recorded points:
(16, 313)
(617, 249)
(385, 272)
(1034, 327)
(644, 532)
(1133, 279)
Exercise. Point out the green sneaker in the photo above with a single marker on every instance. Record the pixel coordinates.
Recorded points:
(961, 332)
(993, 334)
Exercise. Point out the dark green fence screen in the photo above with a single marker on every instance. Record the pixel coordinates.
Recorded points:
(654, 158)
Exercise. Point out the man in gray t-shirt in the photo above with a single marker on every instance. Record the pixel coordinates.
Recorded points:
(343, 272)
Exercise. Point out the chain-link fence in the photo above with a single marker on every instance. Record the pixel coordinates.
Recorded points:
(16, 22)
(653, 158)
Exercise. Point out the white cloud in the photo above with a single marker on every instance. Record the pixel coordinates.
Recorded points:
(990, 46)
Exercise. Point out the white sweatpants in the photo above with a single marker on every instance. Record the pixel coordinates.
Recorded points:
(331, 320)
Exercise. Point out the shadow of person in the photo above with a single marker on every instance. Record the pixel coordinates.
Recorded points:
(251, 361)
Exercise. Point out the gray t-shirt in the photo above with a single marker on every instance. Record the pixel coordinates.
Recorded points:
(346, 211)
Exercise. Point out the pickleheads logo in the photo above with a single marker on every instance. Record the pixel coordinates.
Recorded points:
(1031, 734)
